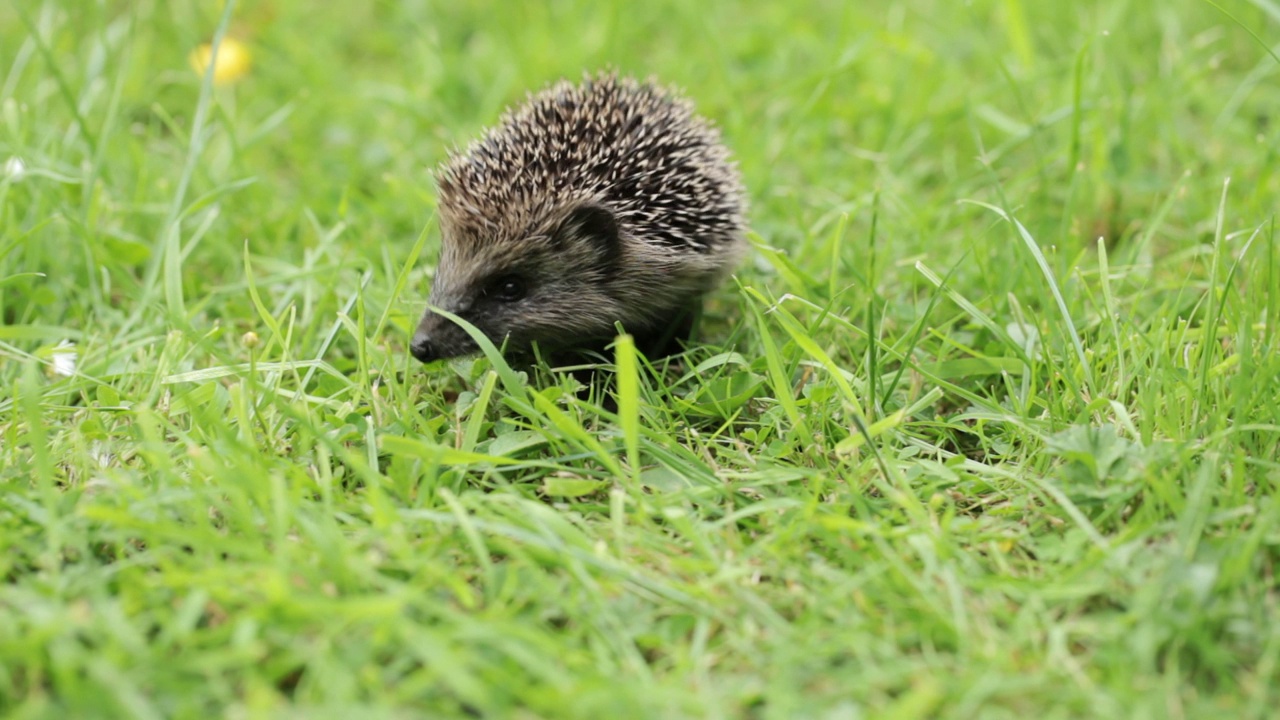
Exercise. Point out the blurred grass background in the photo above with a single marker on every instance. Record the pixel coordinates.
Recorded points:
(1075, 514)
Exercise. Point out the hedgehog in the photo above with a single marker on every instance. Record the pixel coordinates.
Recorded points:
(591, 206)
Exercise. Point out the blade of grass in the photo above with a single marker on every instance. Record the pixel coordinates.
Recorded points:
(168, 246)
(1213, 304)
(628, 375)
(1034, 248)
(782, 388)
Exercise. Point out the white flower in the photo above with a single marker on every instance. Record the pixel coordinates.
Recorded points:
(64, 359)
(98, 451)
(14, 167)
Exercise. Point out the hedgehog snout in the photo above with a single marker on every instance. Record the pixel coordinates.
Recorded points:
(438, 338)
(423, 349)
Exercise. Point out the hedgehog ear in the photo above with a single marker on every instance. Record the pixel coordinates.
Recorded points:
(592, 225)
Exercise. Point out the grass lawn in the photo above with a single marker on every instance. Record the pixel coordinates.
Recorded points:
(988, 426)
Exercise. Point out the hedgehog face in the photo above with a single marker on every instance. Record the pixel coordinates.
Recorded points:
(546, 284)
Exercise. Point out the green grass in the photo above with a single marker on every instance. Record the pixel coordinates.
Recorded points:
(998, 236)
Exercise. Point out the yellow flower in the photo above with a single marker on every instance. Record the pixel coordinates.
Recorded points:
(232, 64)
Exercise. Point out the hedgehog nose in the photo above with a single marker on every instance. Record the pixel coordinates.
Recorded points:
(423, 349)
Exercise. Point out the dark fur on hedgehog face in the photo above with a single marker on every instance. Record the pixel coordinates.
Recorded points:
(547, 284)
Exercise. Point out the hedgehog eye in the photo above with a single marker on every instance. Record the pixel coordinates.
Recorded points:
(507, 288)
